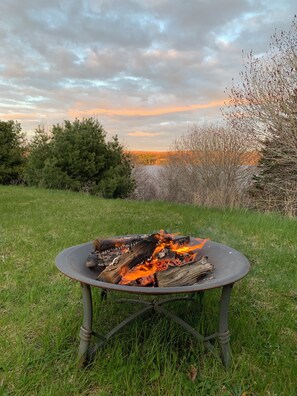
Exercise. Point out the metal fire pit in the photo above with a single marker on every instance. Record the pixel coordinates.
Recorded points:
(229, 267)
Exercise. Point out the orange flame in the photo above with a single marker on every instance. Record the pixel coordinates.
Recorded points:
(184, 254)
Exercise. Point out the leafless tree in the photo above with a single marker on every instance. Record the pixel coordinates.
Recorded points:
(147, 186)
(264, 103)
(207, 167)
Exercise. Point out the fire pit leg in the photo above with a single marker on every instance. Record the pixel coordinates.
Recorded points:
(224, 334)
(86, 328)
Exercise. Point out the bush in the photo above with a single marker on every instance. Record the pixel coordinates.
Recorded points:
(206, 168)
(75, 156)
(147, 184)
(11, 152)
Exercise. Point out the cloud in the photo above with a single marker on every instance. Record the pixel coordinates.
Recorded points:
(143, 134)
(19, 116)
(136, 65)
(144, 112)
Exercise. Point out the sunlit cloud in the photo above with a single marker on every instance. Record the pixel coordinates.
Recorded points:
(145, 69)
(143, 134)
(143, 112)
(19, 116)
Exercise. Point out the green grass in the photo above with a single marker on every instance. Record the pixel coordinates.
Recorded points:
(41, 311)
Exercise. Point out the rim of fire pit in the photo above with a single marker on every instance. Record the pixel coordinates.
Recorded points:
(229, 266)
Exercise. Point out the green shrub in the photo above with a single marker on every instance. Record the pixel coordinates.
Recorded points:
(76, 157)
(11, 152)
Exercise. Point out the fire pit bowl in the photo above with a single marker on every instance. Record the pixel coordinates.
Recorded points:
(229, 267)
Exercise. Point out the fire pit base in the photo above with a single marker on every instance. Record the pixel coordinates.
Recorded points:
(229, 267)
(87, 352)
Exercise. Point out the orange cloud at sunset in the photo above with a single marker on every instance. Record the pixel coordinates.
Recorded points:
(143, 133)
(19, 116)
(132, 112)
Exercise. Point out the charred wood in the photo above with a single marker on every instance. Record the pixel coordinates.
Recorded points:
(138, 253)
(185, 275)
(93, 260)
(101, 245)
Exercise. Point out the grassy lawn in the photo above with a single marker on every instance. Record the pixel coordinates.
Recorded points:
(41, 310)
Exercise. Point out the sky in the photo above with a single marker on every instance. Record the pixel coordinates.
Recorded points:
(146, 69)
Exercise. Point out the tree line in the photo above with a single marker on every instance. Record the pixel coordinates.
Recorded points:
(74, 156)
(206, 165)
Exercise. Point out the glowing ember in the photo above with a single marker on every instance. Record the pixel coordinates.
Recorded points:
(169, 252)
(156, 260)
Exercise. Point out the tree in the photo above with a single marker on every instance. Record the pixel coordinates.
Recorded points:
(39, 150)
(11, 152)
(75, 156)
(206, 167)
(264, 103)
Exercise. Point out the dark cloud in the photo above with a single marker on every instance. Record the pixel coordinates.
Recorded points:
(163, 60)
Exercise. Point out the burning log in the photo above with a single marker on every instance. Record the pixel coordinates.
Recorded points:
(101, 245)
(100, 256)
(185, 275)
(159, 259)
(141, 251)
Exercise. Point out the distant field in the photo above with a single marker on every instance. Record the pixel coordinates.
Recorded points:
(41, 310)
(160, 158)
